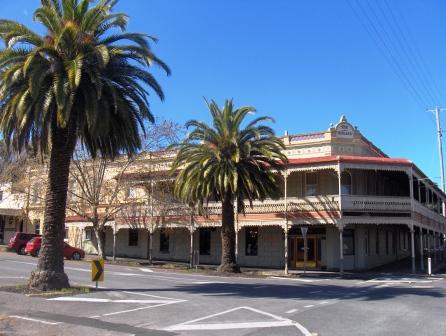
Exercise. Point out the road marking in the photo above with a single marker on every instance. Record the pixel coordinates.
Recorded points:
(208, 282)
(155, 296)
(13, 277)
(34, 320)
(323, 302)
(79, 299)
(308, 306)
(318, 291)
(291, 311)
(136, 309)
(278, 322)
(148, 270)
(295, 279)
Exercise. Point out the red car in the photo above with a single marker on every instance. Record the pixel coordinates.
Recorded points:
(69, 252)
(19, 240)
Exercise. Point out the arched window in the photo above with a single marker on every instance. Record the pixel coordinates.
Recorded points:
(346, 183)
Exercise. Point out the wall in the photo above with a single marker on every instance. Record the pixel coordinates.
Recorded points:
(270, 251)
(179, 241)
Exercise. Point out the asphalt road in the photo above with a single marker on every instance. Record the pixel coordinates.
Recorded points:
(141, 301)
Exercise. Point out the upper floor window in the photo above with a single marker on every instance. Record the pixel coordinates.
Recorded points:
(310, 184)
(346, 183)
(131, 192)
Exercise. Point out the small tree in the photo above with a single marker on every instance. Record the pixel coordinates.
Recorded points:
(97, 188)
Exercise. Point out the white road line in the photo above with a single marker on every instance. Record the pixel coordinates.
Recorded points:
(235, 325)
(155, 296)
(136, 309)
(308, 306)
(323, 302)
(318, 291)
(82, 299)
(34, 320)
(291, 311)
(208, 282)
(279, 322)
(13, 277)
(295, 279)
(148, 270)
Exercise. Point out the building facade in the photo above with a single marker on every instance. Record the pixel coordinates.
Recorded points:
(357, 207)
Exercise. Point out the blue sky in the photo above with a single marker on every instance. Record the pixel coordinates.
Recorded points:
(303, 62)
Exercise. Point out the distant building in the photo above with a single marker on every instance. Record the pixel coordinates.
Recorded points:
(359, 208)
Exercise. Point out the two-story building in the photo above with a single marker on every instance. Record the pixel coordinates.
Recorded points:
(358, 207)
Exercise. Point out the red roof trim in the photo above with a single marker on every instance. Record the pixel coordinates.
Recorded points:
(352, 159)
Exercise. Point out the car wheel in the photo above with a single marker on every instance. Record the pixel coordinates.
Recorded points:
(21, 250)
(35, 254)
(76, 256)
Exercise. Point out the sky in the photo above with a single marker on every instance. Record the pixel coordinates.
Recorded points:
(305, 63)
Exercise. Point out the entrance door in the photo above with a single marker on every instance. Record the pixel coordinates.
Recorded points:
(297, 255)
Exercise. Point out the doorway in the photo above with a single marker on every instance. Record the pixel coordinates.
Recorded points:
(297, 254)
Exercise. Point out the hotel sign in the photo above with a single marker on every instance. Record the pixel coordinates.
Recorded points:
(344, 130)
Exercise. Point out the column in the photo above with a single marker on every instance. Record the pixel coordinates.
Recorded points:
(412, 248)
(286, 249)
(421, 250)
(285, 243)
(150, 246)
(115, 232)
(341, 250)
(191, 250)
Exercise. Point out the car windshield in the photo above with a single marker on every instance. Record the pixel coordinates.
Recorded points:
(32, 240)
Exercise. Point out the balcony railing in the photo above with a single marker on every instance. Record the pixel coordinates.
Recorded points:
(376, 203)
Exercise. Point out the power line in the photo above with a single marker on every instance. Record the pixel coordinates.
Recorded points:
(386, 51)
(412, 53)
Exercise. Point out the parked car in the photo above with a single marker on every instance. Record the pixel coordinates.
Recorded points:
(19, 240)
(69, 252)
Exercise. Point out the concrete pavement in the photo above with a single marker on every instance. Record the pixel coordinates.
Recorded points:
(141, 301)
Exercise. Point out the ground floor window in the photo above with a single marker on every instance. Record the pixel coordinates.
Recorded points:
(88, 233)
(164, 241)
(348, 238)
(251, 241)
(36, 223)
(205, 241)
(366, 242)
(133, 237)
(377, 242)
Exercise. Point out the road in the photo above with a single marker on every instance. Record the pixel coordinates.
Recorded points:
(142, 301)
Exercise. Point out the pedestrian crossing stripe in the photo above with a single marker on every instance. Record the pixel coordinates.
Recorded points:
(97, 270)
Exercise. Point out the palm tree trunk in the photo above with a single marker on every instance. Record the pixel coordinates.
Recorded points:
(228, 261)
(50, 267)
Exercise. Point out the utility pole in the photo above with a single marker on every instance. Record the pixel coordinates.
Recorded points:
(437, 111)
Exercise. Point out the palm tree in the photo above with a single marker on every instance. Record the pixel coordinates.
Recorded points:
(228, 163)
(86, 79)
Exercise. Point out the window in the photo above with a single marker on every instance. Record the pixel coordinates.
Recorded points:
(133, 237)
(366, 243)
(348, 237)
(164, 242)
(131, 192)
(66, 233)
(36, 223)
(1, 195)
(88, 233)
(394, 240)
(346, 183)
(251, 241)
(377, 242)
(205, 241)
(310, 184)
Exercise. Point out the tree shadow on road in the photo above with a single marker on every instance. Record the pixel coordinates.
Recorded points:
(299, 291)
